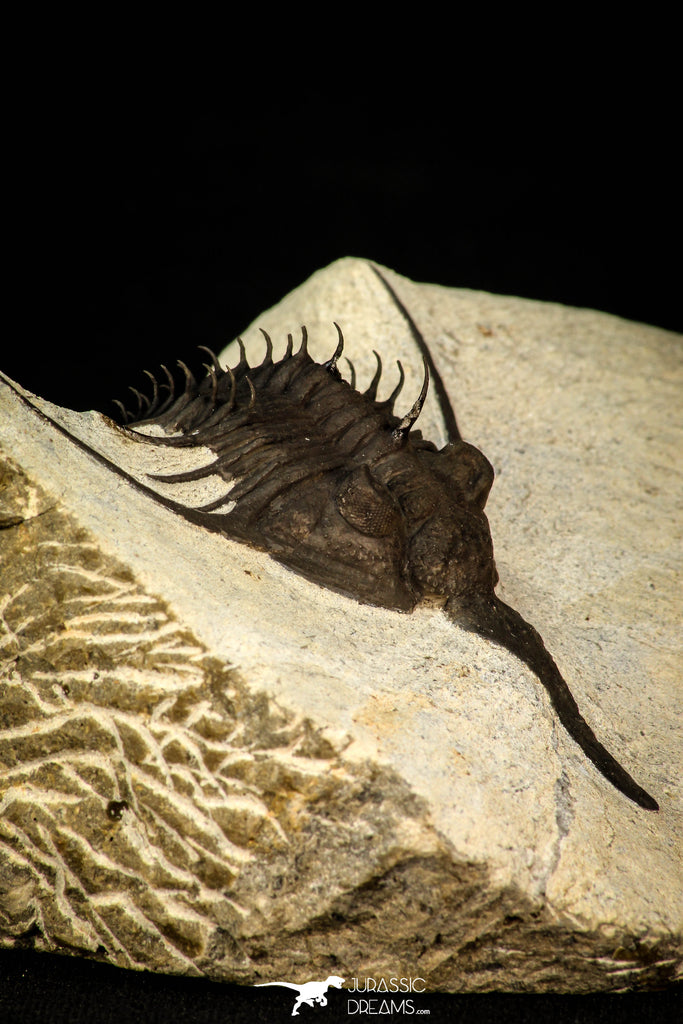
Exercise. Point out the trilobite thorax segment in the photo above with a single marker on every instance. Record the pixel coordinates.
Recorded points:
(330, 481)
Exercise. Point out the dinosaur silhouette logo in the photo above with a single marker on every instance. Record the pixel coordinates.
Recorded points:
(311, 992)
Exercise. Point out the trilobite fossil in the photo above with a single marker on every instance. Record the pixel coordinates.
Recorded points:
(336, 486)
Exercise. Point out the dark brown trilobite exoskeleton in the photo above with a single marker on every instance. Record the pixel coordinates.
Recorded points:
(334, 485)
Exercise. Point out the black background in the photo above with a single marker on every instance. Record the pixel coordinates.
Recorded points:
(148, 223)
(49, 989)
(147, 227)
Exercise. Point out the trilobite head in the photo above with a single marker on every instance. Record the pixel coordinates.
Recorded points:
(451, 551)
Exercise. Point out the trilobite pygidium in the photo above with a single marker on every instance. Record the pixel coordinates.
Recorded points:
(334, 485)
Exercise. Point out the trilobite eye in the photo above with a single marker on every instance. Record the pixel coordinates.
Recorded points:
(367, 505)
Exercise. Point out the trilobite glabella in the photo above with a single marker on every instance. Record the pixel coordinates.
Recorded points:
(336, 486)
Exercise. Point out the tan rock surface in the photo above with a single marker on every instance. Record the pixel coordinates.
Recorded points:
(208, 764)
